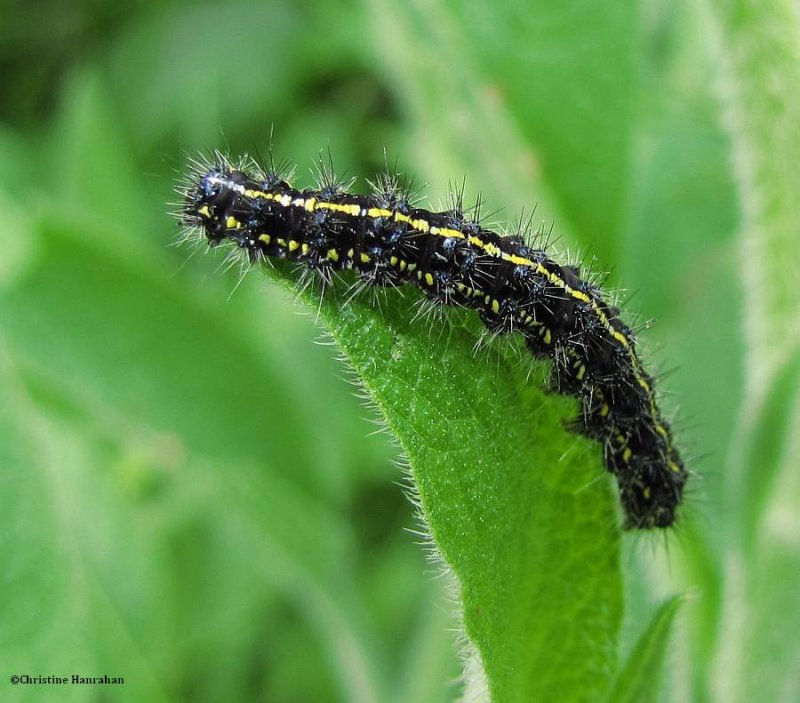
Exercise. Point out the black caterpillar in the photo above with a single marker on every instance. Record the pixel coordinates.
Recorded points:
(513, 286)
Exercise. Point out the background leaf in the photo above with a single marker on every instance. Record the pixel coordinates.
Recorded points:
(640, 678)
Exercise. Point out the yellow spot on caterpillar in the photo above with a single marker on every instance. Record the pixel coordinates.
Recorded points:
(233, 223)
(626, 456)
(351, 209)
(281, 242)
(419, 275)
(581, 372)
(378, 212)
(311, 204)
(403, 265)
(521, 261)
(278, 198)
(604, 411)
(305, 249)
(411, 267)
(490, 249)
(393, 261)
(364, 258)
(204, 212)
(495, 305)
(547, 337)
(294, 245)
(429, 279)
(264, 238)
(420, 225)
(333, 255)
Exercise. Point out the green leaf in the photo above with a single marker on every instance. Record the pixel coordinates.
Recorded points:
(92, 165)
(517, 506)
(758, 646)
(639, 680)
(18, 239)
(757, 653)
(56, 517)
(761, 56)
(763, 449)
(766, 667)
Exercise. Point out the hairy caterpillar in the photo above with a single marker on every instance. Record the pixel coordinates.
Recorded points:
(455, 261)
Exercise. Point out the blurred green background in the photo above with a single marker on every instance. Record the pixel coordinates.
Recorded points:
(191, 496)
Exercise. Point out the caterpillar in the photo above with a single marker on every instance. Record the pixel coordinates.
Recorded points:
(514, 287)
